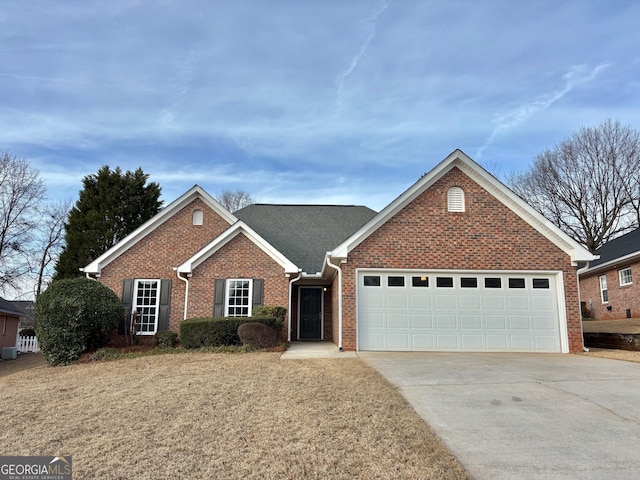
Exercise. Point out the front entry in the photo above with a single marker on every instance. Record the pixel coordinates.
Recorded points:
(310, 318)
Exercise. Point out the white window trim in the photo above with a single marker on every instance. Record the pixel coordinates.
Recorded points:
(630, 276)
(135, 302)
(603, 288)
(227, 288)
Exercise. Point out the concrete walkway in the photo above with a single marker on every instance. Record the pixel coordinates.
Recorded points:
(526, 416)
(301, 350)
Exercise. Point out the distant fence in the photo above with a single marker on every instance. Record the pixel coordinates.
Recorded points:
(28, 344)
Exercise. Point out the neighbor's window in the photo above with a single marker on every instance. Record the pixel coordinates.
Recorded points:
(604, 293)
(145, 304)
(395, 281)
(516, 283)
(625, 276)
(238, 298)
(455, 199)
(493, 282)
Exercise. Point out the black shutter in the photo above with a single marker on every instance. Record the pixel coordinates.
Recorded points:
(258, 291)
(165, 302)
(127, 303)
(218, 298)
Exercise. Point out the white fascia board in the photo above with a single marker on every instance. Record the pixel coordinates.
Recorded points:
(228, 235)
(459, 159)
(157, 220)
(630, 258)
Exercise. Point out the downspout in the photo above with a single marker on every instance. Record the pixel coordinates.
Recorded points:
(339, 270)
(186, 292)
(584, 347)
(291, 282)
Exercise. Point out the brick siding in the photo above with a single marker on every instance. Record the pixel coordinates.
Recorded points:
(621, 298)
(488, 235)
(175, 241)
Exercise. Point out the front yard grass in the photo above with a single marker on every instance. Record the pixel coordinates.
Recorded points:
(235, 416)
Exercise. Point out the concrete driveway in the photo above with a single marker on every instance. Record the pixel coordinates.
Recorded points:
(523, 416)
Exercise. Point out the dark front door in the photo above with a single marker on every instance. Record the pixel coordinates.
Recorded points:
(310, 314)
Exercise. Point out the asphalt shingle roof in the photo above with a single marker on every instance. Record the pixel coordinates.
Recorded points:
(305, 233)
(618, 247)
(7, 307)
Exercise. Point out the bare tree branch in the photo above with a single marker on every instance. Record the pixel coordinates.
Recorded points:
(589, 184)
(234, 201)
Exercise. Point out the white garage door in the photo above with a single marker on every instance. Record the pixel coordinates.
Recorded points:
(457, 311)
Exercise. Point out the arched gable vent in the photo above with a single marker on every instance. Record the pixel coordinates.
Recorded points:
(455, 199)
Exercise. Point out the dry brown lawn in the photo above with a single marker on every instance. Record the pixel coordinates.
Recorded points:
(234, 416)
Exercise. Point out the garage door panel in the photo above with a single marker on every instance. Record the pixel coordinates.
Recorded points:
(397, 320)
(445, 321)
(397, 301)
(471, 322)
(447, 342)
(445, 302)
(467, 312)
(495, 322)
(494, 302)
(471, 342)
(422, 320)
(470, 302)
(423, 341)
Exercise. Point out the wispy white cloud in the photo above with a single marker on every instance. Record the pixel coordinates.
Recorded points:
(370, 24)
(575, 77)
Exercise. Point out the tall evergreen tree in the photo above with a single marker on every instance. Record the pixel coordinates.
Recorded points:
(111, 205)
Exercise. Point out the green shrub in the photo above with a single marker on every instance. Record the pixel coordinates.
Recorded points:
(277, 312)
(74, 315)
(215, 332)
(257, 335)
(166, 339)
(28, 332)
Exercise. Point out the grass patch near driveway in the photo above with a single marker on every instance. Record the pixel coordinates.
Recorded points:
(203, 415)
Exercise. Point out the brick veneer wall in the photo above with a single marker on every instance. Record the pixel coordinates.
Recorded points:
(240, 258)
(488, 235)
(621, 298)
(168, 246)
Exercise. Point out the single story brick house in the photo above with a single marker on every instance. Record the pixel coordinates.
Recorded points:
(607, 289)
(9, 319)
(457, 262)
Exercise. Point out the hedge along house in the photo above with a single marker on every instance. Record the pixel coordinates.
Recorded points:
(607, 287)
(458, 262)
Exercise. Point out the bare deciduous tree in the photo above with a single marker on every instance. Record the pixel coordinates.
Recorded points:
(234, 201)
(21, 193)
(589, 184)
(51, 239)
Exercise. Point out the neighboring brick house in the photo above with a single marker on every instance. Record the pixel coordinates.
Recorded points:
(9, 319)
(458, 262)
(607, 289)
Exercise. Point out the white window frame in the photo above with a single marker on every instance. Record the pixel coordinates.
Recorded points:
(227, 297)
(604, 291)
(625, 278)
(455, 199)
(139, 308)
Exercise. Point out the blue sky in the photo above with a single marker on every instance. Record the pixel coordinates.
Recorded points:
(306, 101)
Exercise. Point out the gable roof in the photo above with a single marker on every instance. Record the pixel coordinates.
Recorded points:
(178, 204)
(619, 250)
(487, 181)
(305, 233)
(225, 237)
(7, 308)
